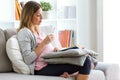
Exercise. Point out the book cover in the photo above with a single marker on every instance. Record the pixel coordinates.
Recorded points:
(71, 12)
(72, 41)
(17, 17)
(64, 38)
(18, 7)
(74, 47)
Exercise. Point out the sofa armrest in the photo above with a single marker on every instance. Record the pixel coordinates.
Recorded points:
(111, 70)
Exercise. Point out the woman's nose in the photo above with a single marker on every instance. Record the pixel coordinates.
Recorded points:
(41, 17)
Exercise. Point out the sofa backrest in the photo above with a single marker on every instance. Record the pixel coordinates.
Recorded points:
(5, 64)
(9, 32)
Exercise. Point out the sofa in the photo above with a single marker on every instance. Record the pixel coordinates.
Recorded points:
(103, 71)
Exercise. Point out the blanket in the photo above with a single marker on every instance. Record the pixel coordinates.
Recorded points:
(70, 56)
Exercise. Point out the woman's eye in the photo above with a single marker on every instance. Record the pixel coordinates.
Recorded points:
(38, 15)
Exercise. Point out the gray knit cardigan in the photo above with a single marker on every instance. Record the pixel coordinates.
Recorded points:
(27, 42)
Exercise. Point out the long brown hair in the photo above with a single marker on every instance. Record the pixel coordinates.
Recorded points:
(27, 13)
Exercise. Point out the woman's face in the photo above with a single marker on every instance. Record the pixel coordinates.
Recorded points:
(37, 17)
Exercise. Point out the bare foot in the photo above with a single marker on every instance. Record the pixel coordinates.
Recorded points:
(74, 74)
(65, 75)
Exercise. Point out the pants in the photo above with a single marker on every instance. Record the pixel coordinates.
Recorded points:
(58, 69)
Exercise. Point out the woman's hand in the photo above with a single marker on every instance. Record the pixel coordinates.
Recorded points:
(48, 39)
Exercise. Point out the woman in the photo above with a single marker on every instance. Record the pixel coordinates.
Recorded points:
(34, 44)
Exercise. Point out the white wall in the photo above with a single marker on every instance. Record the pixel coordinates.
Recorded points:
(83, 21)
(6, 6)
(6, 17)
(87, 23)
(90, 25)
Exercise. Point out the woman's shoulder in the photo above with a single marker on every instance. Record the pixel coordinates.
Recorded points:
(25, 30)
(24, 33)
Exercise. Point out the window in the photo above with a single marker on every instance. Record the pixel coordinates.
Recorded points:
(111, 33)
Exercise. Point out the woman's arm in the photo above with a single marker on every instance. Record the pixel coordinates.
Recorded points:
(26, 42)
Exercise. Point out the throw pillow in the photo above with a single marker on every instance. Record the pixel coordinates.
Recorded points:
(14, 54)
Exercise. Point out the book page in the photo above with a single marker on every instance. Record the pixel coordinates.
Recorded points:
(51, 30)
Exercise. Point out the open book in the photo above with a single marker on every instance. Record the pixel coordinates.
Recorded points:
(74, 47)
(83, 50)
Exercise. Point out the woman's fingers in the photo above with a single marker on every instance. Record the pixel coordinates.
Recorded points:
(49, 38)
(56, 49)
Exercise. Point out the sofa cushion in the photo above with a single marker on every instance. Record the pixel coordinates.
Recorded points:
(14, 76)
(14, 54)
(97, 75)
(5, 64)
(94, 75)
